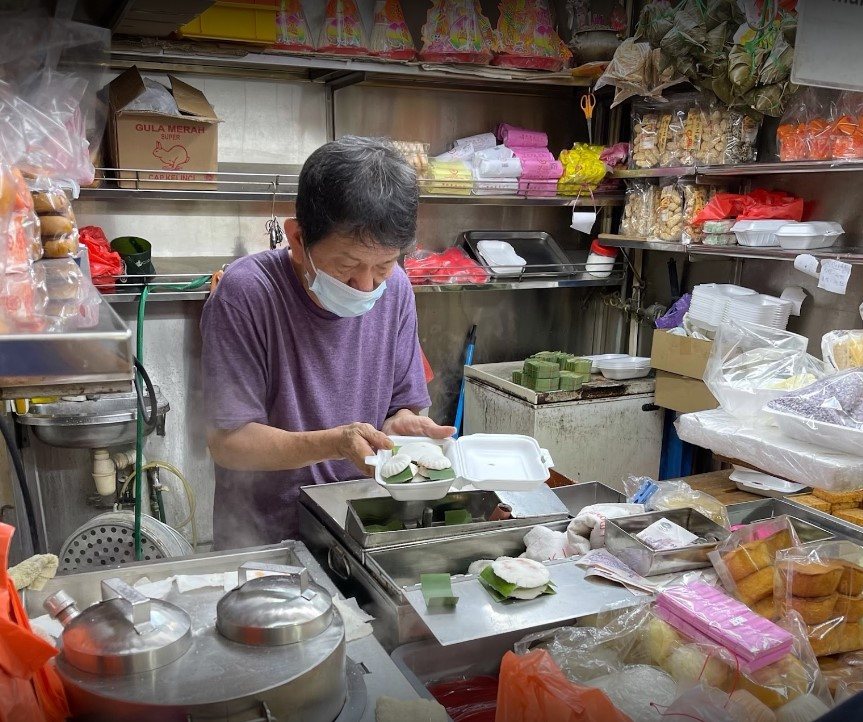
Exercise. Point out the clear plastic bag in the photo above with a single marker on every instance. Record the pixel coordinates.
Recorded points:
(23, 244)
(695, 198)
(843, 350)
(751, 365)
(456, 31)
(742, 140)
(669, 214)
(630, 72)
(639, 211)
(848, 126)
(702, 703)
(343, 32)
(823, 584)
(391, 37)
(57, 223)
(525, 37)
(23, 300)
(805, 130)
(744, 561)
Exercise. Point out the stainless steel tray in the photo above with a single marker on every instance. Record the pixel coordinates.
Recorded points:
(810, 525)
(578, 496)
(544, 258)
(621, 540)
(425, 520)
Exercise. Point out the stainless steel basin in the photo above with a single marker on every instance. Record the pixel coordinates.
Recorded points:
(105, 421)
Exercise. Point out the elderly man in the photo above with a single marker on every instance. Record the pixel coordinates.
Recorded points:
(311, 357)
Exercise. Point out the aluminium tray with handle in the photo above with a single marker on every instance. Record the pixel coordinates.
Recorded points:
(543, 256)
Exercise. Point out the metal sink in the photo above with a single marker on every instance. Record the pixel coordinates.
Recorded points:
(97, 423)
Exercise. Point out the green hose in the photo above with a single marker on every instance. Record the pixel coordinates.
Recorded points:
(139, 417)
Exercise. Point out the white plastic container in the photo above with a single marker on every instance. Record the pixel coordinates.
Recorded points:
(599, 358)
(756, 482)
(600, 262)
(631, 367)
(757, 233)
(487, 462)
(820, 433)
(501, 258)
(806, 236)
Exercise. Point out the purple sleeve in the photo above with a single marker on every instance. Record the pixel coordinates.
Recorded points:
(234, 365)
(410, 390)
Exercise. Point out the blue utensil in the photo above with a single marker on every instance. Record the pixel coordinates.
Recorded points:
(468, 360)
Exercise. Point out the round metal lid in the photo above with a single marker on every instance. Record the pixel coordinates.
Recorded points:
(285, 608)
(125, 633)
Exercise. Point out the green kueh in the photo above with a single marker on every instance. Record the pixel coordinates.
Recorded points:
(541, 369)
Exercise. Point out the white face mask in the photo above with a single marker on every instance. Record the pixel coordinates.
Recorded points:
(339, 298)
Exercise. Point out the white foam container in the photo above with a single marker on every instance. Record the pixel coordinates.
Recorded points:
(755, 482)
(760, 233)
(806, 236)
(501, 258)
(821, 433)
(486, 462)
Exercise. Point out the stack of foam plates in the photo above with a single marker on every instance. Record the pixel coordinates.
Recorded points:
(629, 367)
(710, 301)
(759, 309)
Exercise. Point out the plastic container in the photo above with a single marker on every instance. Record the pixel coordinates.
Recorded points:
(486, 462)
(600, 262)
(805, 236)
(757, 233)
(248, 22)
(597, 360)
(629, 367)
(821, 433)
(755, 482)
(501, 258)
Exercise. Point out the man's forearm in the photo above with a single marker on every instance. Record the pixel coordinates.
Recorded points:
(256, 447)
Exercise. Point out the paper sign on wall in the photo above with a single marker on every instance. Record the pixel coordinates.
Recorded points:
(834, 276)
(827, 46)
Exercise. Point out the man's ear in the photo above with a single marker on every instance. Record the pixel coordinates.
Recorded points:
(294, 236)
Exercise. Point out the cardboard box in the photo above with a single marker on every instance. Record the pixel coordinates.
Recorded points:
(683, 394)
(167, 151)
(679, 354)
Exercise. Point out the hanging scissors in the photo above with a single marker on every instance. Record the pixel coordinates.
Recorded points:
(588, 103)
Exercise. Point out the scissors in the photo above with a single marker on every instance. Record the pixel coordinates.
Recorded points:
(588, 103)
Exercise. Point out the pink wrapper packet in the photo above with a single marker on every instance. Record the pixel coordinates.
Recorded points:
(511, 135)
(541, 169)
(532, 153)
(537, 188)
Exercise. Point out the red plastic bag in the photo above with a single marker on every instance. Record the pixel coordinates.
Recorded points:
(29, 687)
(773, 205)
(722, 206)
(105, 264)
(468, 700)
(451, 266)
(533, 689)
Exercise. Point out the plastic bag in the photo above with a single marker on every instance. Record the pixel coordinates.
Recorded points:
(806, 129)
(57, 223)
(588, 652)
(823, 584)
(848, 126)
(751, 365)
(525, 37)
(23, 242)
(416, 153)
(590, 522)
(23, 299)
(744, 561)
(742, 140)
(669, 215)
(695, 198)
(843, 350)
(629, 71)
(30, 688)
(641, 691)
(450, 266)
(391, 37)
(583, 170)
(456, 31)
(639, 211)
(722, 206)
(673, 317)
(343, 32)
(702, 703)
(292, 30)
(658, 133)
(669, 495)
(468, 700)
(533, 688)
(773, 205)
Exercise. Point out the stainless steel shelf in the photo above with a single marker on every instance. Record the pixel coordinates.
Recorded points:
(230, 59)
(848, 254)
(91, 360)
(182, 270)
(261, 184)
(745, 169)
(675, 172)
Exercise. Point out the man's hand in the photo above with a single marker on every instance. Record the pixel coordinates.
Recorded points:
(407, 423)
(357, 441)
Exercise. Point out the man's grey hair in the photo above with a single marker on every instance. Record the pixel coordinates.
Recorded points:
(361, 188)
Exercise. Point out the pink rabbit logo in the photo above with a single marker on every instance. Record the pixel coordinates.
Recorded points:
(173, 158)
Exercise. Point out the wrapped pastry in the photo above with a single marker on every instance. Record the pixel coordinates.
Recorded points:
(669, 216)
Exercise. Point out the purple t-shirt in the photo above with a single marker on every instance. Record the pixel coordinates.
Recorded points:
(272, 356)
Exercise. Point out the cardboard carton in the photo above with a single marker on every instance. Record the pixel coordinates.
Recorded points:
(679, 354)
(165, 151)
(683, 394)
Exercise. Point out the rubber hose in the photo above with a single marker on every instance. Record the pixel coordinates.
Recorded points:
(18, 463)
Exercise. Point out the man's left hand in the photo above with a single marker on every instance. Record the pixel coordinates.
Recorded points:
(407, 423)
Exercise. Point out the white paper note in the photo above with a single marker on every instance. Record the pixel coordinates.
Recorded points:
(583, 221)
(807, 264)
(834, 276)
(796, 295)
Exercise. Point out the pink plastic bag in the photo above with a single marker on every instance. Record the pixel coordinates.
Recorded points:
(514, 137)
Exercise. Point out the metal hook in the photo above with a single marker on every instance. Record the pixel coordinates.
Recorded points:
(273, 227)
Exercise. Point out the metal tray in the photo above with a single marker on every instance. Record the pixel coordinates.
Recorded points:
(544, 258)
(578, 496)
(811, 525)
(424, 520)
(621, 541)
